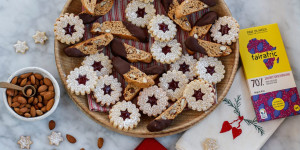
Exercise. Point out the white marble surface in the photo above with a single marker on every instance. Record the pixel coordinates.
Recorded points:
(21, 18)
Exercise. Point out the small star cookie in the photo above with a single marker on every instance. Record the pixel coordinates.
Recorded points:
(40, 37)
(25, 142)
(21, 47)
(55, 138)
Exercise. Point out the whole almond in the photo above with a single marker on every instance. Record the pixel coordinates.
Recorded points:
(49, 95)
(32, 111)
(51, 88)
(42, 88)
(14, 80)
(15, 104)
(9, 101)
(47, 82)
(28, 92)
(45, 102)
(51, 124)
(43, 109)
(82, 149)
(22, 105)
(17, 110)
(15, 99)
(49, 104)
(10, 92)
(43, 93)
(70, 138)
(27, 115)
(28, 83)
(30, 100)
(32, 79)
(19, 81)
(28, 106)
(35, 101)
(23, 82)
(36, 107)
(39, 112)
(23, 110)
(37, 82)
(22, 100)
(25, 75)
(100, 142)
(41, 82)
(40, 105)
(40, 98)
(38, 76)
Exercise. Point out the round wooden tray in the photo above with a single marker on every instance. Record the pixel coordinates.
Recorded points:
(183, 122)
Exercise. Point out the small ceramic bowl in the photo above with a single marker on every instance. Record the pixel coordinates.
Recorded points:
(45, 74)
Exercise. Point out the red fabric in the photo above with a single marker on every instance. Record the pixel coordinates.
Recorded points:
(150, 144)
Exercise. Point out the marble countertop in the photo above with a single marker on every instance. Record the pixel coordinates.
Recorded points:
(21, 19)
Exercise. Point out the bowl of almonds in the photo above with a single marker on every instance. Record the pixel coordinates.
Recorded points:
(37, 103)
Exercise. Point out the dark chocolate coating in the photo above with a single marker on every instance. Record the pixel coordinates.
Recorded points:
(208, 18)
(87, 18)
(74, 52)
(118, 48)
(120, 65)
(166, 4)
(139, 33)
(210, 3)
(158, 125)
(192, 44)
(154, 70)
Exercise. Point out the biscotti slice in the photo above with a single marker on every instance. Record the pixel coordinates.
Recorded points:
(132, 74)
(90, 46)
(131, 90)
(207, 48)
(188, 7)
(89, 6)
(87, 18)
(129, 52)
(170, 8)
(103, 7)
(122, 29)
(165, 119)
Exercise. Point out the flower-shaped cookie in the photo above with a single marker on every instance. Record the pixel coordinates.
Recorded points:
(40, 37)
(124, 115)
(101, 64)
(69, 28)
(162, 28)
(25, 142)
(185, 64)
(82, 80)
(210, 144)
(173, 82)
(21, 47)
(210, 69)
(153, 101)
(55, 138)
(200, 95)
(166, 52)
(108, 90)
(225, 30)
(139, 13)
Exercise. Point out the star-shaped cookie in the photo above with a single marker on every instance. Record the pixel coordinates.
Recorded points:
(55, 138)
(40, 37)
(25, 142)
(21, 47)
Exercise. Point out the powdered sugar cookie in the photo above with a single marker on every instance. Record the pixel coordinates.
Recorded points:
(101, 64)
(40, 37)
(225, 30)
(68, 28)
(173, 82)
(108, 90)
(139, 13)
(55, 138)
(162, 28)
(185, 64)
(21, 47)
(82, 80)
(166, 52)
(210, 144)
(199, 94)
(210, 69)
(152, 101)
(124, 115)
(25, 142)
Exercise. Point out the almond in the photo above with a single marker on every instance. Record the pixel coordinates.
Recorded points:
(42, 88)
(47, 82)
(15, 104)
(14, 80)
(51, 88)
(29, 92)
(23, 82)
(40, 105)
(9, 101)
(39, 112)
(17, 110)
(45, 102)
(23, 110)
(10, 92)
(32, 111)
(82, 149)
(22, 105)
(15, 99)
(25, 75)
(28, 83)
(43, 109)
(37, 82)
(49, 104)
(51, 124)
(35, 101)
(100, 142)
(49, 95)
(41, 82)
(38, 76)
(70, 138)
(30, 100)
(22, 100)
(28, 106)
(27, 115)
(32, 79)
(19, 81)
(40, 98)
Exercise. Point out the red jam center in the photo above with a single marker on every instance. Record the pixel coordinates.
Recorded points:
(198, 95)
(141, 12)
(163, 27)
(69, 29)
(224, 29)
(184, 67)
(152, 100)
(125, 114)
(166, 50)
(210, 70)
(97, 66)
(173, 85)
(82, 79)
(107, 89)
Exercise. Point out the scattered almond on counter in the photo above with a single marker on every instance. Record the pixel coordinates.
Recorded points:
(100, 142)
(70, 138)
(51, 124)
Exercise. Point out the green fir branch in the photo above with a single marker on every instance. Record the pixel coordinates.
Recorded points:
(256, 126)
(235, 106)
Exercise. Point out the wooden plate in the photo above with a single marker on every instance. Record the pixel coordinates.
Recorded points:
(183, 122)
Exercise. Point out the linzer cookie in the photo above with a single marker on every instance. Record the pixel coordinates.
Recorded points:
(165, 119)
(132, 74)
(166, 52)
(185, 64)
(101, 64)
(122, 29)
(170, 8)
(124, 116)
(200, 95)
(131, 90)
(90, 46)
(173, 82)
(207, 48)
(139, 13)
(68, 28)
(225, 30)
(89, 5)
(130, 53)
(162, 28)
(188, 7)
(107, 91)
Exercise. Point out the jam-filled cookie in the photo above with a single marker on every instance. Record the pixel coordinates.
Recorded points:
(185, 64)
(166, 52)
(101, 64)
(162, 28)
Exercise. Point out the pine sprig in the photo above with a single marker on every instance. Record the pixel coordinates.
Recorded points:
(254, 123)
(236, 105)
